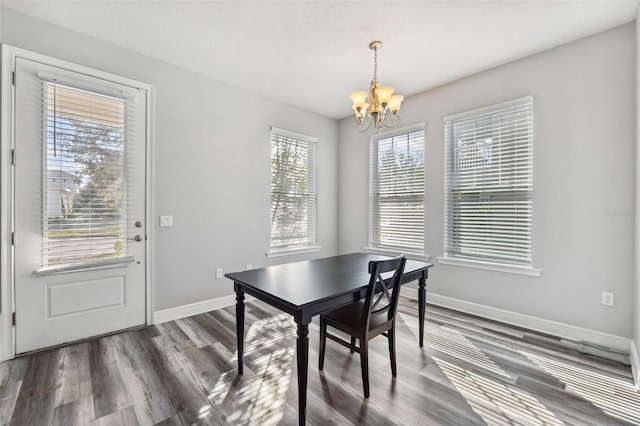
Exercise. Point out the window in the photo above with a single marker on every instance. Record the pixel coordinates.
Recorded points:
(396, 173)
(293, 191)
(84, 211)
(489, 183)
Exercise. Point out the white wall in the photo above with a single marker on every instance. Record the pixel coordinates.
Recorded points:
(584, 165)
(211, 167)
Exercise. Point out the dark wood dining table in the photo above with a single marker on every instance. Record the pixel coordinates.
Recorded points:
(308, 288)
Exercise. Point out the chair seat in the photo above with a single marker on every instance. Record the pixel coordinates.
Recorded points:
(348, 319)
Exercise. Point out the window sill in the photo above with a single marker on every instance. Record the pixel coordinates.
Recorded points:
(387, 252)
(292, 251)
(489, 266)
(86, 266)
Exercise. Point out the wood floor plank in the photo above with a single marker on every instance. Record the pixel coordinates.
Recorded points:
(195, 332)
(36, 399)
(8, 398)
(190, 402)
(79, 412)
(41, 374)
(110, 392)
(203, 370)
(175, 335)
(74, 374)
(150, 397)
(220, 334)
(126, 416)
(14, 371)
(35, 410)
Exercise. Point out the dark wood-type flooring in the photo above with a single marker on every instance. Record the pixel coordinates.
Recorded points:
(470, 371)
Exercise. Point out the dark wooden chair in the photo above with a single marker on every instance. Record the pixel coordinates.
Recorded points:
(368, 318)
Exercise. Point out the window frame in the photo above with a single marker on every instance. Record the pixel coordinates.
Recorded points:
(55, 262)
(373, 247)
(479, 261)
(312, 152)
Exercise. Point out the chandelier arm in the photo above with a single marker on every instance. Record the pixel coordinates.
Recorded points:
(393, 121)
(361, 127)
(358, 121)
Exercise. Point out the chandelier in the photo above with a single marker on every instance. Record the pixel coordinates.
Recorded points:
(378, 104)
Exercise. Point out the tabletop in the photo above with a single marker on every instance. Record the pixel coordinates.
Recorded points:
(301, 283)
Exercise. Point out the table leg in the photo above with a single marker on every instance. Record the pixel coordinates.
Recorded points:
(240, 326)
(422, 293)
(302, 347)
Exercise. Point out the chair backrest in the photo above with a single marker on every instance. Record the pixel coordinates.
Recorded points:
(382, 294)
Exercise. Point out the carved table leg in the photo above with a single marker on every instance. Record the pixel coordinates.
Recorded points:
(240, 325)
(302, 347)
(422, 292)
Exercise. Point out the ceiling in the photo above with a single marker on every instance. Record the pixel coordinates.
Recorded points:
(312, 54)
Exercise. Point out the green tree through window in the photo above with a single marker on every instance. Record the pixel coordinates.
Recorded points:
(85, 168)
(293, 191)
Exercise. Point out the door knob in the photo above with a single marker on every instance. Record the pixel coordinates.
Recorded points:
(136, 238)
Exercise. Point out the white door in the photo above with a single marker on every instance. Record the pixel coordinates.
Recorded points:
(79, 206)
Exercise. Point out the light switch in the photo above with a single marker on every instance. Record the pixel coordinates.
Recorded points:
(166, 220)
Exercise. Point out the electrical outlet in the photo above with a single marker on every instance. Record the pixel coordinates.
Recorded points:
(218, 273)
(249, 266)
(607, 298)
(166, 220)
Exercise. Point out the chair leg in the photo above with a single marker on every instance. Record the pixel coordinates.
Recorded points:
(364, 365)
(353, 344)
(323, 341)
(392, 349)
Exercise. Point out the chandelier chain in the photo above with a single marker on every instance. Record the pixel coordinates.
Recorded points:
(375, 64)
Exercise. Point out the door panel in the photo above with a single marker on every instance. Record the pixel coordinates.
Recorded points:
(79, 190)
(82, 297)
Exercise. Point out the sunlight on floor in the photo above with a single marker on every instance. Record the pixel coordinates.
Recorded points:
(268, 332)
(497, 403)
(453, 343)
(613, 396)
(258, 396)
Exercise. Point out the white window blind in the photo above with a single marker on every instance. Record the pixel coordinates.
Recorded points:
(84, 197)
(293, 190)
(396, 173)
(489, 183)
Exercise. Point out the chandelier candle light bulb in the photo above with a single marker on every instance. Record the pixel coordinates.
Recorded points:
(378, 104)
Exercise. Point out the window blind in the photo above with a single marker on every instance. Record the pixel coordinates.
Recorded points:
(397, 192)
(489, 184)
(293, 190)
(85, 155)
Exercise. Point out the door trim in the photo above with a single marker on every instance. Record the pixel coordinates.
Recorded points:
(7, 190)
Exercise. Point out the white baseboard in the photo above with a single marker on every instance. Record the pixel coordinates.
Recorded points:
(634, 357)
(558, 329)
(184, 311)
